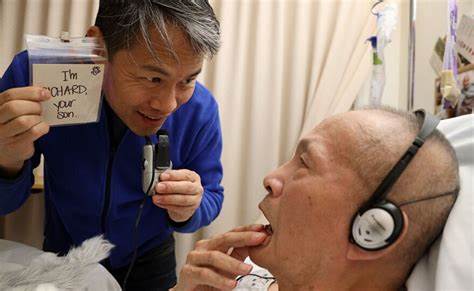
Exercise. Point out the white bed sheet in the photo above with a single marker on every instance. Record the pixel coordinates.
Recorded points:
(449, 264)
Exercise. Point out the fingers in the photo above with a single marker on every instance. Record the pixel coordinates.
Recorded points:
(184, 211)
(31, 93)
(31, 135)
(223, 242)
(182, 187)
(176, 200)
(180, 175)
(19, 125)
(208, 268)
(180, 192)
(20, 147)
(252, 227)
(180, 215)
(12, 109)
(209, 265)
(207, 277)
(219, 261)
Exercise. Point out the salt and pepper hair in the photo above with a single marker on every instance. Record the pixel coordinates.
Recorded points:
(122, 22)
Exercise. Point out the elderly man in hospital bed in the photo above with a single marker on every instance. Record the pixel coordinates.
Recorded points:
(362, 200)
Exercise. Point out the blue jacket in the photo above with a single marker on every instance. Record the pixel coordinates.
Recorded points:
(82, 173)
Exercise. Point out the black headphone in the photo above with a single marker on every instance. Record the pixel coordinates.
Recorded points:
(379, 222)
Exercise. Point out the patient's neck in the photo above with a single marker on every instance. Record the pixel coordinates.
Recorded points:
(283, 286)
(350, 281)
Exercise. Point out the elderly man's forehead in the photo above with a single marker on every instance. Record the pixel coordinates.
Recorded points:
(338, 126)
(346, 134)
(359, 123)
(326, 137)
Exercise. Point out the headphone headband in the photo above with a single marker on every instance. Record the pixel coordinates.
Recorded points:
(378, 223)
(430, 123)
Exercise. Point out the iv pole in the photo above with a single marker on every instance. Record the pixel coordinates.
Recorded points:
(411, 56)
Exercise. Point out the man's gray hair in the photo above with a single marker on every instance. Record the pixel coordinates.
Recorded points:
(122, 22)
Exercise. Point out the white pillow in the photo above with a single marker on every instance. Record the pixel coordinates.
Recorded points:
(449, 263)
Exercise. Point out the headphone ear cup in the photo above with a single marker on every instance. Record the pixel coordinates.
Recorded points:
(377, 227)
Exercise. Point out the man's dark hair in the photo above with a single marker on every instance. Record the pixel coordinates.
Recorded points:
(122, 22)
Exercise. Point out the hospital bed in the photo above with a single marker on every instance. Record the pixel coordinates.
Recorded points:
(449, 265)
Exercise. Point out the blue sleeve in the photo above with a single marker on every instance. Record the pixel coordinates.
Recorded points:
(207, 163)
(14, 192)
(17, 74)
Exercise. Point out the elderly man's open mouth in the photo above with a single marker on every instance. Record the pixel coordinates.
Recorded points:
(268, 227)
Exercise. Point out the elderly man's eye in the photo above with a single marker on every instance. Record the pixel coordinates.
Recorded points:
(303, 162)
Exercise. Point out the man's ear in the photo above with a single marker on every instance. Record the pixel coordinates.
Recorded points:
(94, 31)
(356, 253)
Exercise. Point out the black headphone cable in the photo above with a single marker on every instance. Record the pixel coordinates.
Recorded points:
(135, 230)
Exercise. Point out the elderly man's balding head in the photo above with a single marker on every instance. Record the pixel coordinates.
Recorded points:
(336, 168)
(432, 172)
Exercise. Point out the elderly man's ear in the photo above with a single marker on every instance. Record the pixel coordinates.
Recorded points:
(356, 253)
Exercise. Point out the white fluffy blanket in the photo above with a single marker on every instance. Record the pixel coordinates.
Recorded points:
(49, 272)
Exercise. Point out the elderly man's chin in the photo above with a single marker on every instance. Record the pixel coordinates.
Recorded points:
(260, 254)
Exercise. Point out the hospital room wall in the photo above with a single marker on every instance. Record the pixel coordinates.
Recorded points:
(430, 25)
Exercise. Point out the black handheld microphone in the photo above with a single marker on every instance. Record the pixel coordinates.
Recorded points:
(156, 160)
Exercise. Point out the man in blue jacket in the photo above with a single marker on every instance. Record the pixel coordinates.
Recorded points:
(93, 172)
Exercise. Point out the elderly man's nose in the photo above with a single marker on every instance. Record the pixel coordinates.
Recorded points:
(273, 185)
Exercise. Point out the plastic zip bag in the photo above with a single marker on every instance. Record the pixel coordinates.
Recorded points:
(72, 70)
(449, 85)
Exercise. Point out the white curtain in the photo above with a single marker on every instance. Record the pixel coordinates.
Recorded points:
(284, 66)
(49, 17)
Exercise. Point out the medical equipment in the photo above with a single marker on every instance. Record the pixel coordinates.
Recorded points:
(449, 87)
(258, 279)
(379, 222)
(386, 22)
(411, 56)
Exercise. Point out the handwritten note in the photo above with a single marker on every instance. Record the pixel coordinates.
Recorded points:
(76, 90)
